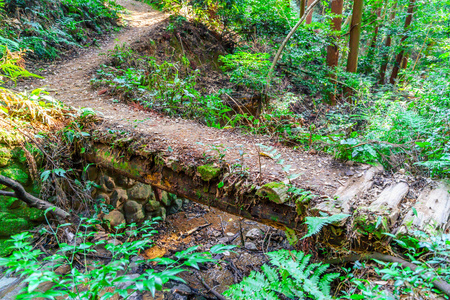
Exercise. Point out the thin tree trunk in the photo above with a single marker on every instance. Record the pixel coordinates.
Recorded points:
(373, 42)
(404, 62)
(399, 58)
(278, 54)
(302, 7)
(333, 49)
(387, 45)
(309, 16)
(355, 34)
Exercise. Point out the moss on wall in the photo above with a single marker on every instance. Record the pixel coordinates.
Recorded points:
(15, 215)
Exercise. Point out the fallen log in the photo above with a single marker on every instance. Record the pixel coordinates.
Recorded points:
(21, 194)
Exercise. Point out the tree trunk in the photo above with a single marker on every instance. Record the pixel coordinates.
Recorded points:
(405, 62)
(387, 45)
(399, 58)
(333, 49)
(355, 34)
(309, 16)
(373, 42)
(302, 7)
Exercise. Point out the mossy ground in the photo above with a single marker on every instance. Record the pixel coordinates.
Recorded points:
(15, 215)
(208, 172)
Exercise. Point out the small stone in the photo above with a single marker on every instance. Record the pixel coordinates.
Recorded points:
(118, 197)
(181, 289)
(133, 211)
(125, 182)
(223, 240)
(402, 171)
(140, 192)
(107, 183)
(229, 234)
(349, 173)
(102, 197)
(176, 206)
(63, 269)
(250, 246)
(162, 213)
(136, 261)
(92, 173)
(152, 205)
(115, 218)
(124, 285)
(165, 198)
(254, 233)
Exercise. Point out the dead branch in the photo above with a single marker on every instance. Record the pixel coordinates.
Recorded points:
(215, 293)
(20, 193)
(441, 285)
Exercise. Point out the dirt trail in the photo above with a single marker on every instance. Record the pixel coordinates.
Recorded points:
(70, 84)
(70, 80)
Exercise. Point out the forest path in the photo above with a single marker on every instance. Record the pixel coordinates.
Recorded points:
(355, 185)
(69, 82)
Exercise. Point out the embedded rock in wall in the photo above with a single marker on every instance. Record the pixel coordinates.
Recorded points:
(115, 218)
(129, 200)
(140, 192)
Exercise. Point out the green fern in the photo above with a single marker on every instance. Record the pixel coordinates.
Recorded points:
(291, 275)
(315, 224)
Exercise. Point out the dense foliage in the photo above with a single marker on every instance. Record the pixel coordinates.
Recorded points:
(292, 276)
(400, 122)
(45, 28)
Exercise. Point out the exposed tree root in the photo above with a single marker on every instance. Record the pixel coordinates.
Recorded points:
(20, 193)
(441, 285)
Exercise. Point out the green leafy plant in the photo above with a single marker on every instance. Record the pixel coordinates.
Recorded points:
(315, 224)
(52, 27)
(292, 275)
(93, 279)
(248, 69)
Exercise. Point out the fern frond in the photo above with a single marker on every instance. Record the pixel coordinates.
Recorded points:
(315, 224)
(294, 277)
(324, 284)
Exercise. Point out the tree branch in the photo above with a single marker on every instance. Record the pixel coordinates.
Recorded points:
(438, 283)
(7, 194)
(20, 193)
(288, 37)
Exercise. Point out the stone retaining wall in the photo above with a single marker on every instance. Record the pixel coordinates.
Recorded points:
(130, 201)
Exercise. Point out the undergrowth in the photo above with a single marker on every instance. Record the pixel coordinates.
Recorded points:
(47, 28)
(291, 275)
(92, 279)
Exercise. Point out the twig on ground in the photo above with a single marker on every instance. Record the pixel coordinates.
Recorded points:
(219, 296)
